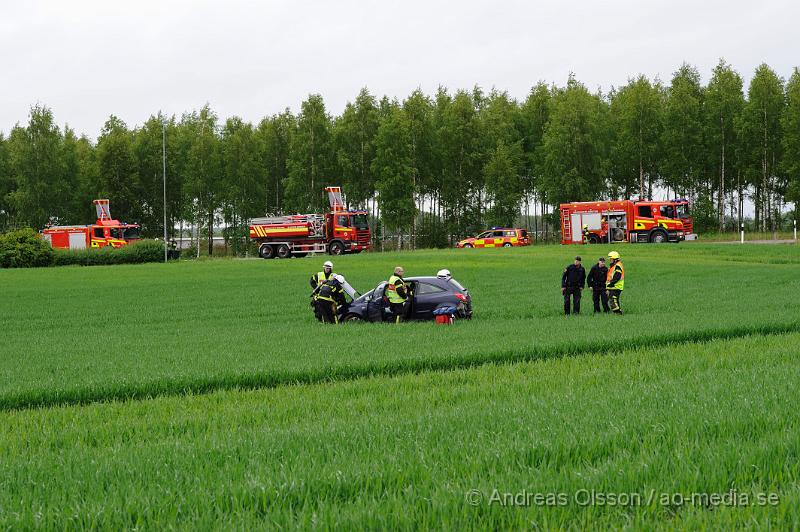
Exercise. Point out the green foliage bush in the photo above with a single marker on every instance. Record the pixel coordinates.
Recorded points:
(24, 249)
(136, 253)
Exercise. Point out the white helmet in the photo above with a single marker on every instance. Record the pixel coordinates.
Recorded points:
(328, 264)
(443, 274)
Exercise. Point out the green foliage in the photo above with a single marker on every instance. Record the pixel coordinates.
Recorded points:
(573, 146)
(682, 137)
(137, 252)
(637, 119)
(790, 123)
(354, 139)
(24, 248)
(392, 168)
(760, 130)
(310, 158)
(472, 158)
(704, 212)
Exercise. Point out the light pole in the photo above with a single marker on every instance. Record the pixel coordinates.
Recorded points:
(164, 163)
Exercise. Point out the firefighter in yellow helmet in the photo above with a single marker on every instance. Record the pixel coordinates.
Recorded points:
(615, 281)
(398, 292)
(585, 234)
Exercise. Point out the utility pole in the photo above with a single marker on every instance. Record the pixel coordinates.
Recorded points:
(164, 163)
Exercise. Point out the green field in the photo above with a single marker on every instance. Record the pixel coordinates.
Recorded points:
(365, 425)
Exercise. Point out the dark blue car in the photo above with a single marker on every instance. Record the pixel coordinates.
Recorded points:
(429, 293)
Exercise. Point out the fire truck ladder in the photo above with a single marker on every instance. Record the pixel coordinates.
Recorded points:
(565, 222)
(335, 198)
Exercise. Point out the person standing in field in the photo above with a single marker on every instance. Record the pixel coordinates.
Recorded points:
(398, 293)
(597, 284)
(572, 282)
(615, 281)
(327, 299)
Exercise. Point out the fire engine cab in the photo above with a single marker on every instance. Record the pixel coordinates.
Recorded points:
(625, 221)
(104, 232)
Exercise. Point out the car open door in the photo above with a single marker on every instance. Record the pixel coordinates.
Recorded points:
(376, 305)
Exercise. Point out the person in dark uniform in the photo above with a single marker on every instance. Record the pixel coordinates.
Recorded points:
(597, 284)
(327, 298)
(572, 282)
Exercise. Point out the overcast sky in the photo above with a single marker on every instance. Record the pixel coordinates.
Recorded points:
(87, 59)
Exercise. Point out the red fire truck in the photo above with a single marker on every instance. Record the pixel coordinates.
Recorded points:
(104, 232)
(335, 232)
(625, 221)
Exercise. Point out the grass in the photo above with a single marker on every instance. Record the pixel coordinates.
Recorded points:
(403, 452)
(75, 335)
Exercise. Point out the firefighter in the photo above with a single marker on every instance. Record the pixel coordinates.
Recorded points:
(327, 298)
(597, 284)
(320, 277)
(572, 283)
(585, 234)
(398, 293)
(615, 281)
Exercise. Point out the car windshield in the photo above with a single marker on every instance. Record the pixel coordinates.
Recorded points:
(484, 234)
(131, 233)
(116, 232)
(457, 285)
(682, 211)
(360, 221)
(368, 295)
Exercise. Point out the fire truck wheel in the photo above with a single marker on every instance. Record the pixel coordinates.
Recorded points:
(467, 245)
(594, 239)
(336, 248)
(266, 251)
(284, 252)
(507, 245)
(658, 236)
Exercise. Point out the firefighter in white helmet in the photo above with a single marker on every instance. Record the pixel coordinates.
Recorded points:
(320, 277)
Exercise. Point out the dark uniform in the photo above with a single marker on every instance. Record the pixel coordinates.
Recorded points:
(327, 299)
(572, 282)
(615, 283)
(597, 282)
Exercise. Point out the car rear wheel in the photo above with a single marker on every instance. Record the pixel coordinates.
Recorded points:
(352, 318)
(507, 245)
(467, 245)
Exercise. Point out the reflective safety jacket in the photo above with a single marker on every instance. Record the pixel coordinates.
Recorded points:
(615, 278)
(319, 278)
(397, 290)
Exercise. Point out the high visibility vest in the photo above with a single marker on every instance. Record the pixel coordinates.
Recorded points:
(321, 277)
(619, 285)
(391, 290)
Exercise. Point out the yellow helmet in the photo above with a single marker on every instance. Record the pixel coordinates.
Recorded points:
(613, 255)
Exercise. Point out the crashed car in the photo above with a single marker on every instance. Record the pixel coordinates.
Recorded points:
(428, 295)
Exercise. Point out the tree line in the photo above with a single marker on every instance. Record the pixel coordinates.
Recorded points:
(433, 167)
